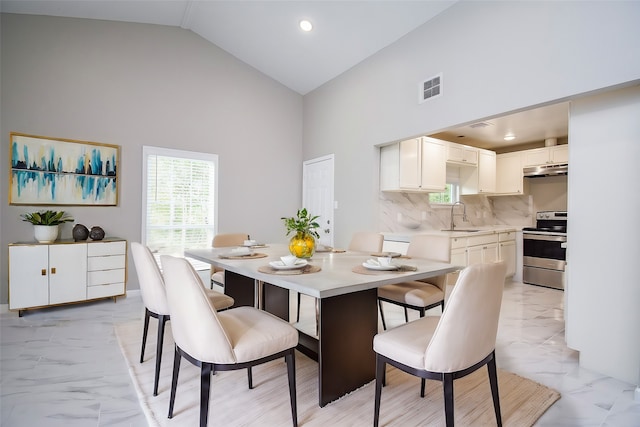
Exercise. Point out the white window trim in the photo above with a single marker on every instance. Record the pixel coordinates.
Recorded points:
(170, 152)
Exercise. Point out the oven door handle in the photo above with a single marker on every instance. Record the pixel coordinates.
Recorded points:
(545, 237)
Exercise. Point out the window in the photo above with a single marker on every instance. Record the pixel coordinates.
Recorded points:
(179, 200)
(451, 194)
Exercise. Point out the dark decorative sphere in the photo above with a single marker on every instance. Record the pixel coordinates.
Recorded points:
(96, 233)
(80, 232)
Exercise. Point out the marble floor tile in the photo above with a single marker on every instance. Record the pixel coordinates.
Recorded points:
(63, 367)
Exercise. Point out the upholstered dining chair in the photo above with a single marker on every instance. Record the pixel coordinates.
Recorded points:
(237, 338)
(155, 300)
(223, 241)
(420, 295)
(361, 241)
(450, 346)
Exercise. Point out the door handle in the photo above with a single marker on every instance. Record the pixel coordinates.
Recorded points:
(43, 271)
(53, 270)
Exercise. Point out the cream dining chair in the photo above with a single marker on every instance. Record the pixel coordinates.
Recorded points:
(224, 241)
(452, 346)
(361, 241)
(423, 294)
(238, 338)
(155, 300)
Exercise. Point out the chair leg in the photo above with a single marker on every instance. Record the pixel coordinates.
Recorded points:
(250, 377)
(298, 309)
(290, 359)
(423, 384)
(174, 380)
(145, 329)
(162, 319)
(406, 315)
(380, 371)
(447, 384)
(205, 387)
(493, 380)
(384, 325)
(421, 312)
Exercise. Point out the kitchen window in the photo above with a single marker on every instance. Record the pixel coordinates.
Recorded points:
(451, 194)
(179, 201)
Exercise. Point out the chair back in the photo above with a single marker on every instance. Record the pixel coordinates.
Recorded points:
(466, 332)
(366, 241)
(195, 324)
(433, 247)
(229, 239)
(150, 278)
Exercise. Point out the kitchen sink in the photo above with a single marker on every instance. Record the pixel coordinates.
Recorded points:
(463, 230)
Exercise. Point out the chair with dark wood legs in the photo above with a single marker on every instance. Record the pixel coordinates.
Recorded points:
(237, 338)
(452, 346)
(155, 300)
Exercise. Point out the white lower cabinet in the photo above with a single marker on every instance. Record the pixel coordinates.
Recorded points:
(42, 275)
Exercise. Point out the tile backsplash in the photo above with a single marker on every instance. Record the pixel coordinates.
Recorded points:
(401, 212)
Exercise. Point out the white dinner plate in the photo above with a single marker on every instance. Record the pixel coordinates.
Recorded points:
(279, 265)
(379, 267)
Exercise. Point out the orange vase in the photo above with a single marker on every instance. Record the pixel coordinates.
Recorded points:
(302, 245)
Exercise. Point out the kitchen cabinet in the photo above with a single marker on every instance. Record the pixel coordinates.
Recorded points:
(480, 179)
(546, 155)
(482, 249)
(462, 154)
(486, 171)
(507, 251)
(42, 275)
(414, 165)
(509, 178)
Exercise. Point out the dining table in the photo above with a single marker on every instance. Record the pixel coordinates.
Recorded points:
(346, 303)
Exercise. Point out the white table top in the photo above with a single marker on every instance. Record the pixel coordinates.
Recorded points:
(335, 277)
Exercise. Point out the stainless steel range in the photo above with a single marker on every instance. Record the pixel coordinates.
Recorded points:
(544, 255)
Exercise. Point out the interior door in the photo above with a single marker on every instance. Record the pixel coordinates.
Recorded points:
(317, 194)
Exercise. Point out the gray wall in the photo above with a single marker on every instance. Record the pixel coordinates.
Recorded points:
(134, 85)
(496, 57)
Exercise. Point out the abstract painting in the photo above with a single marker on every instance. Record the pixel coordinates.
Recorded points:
(56, 171)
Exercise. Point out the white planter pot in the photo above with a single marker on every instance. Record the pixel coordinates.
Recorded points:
(45, 233)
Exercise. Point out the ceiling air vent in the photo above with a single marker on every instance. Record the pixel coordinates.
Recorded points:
(430, 88)
(480, 125)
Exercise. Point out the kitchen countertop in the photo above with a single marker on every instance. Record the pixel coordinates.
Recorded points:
(405, 236)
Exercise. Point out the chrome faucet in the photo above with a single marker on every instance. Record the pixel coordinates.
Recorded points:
(464, 213)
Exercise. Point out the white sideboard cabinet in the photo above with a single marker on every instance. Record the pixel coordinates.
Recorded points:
(43, 275)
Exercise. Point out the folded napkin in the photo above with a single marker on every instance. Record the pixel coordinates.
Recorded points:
(404, 267)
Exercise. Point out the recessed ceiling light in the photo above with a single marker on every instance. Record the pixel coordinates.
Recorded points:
(509, 137)
(306, 25)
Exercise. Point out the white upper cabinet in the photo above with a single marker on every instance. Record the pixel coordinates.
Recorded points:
(509, 179)
(486, 171)
(414, 165)
(546, 155)
(462, 154)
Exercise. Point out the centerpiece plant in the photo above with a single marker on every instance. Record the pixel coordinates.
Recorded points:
(304, 225)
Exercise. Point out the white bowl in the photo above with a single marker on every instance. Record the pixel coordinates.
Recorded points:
(288, 259)
(384, 261)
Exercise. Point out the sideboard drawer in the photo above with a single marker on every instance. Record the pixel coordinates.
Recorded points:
(103, 291)
(106, 262)
(107, 248)
(95, 278)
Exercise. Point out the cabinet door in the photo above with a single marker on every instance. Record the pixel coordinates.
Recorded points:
(28, 276)
(67, 273)
(509, 179)
(538, 156)
(559, 154)
(459, 257)
(474, 255)
(457, 153)
(508, 255)
(487, 172)
(434, 165)
(490, 253)
(410, 164)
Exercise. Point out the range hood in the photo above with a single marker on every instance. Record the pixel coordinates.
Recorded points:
(546, 170)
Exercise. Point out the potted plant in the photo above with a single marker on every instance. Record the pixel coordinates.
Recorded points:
(45, 224)
(303, 243)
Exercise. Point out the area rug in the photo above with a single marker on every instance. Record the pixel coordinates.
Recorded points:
(232, 404)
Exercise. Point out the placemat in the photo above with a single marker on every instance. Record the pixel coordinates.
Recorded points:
(253, 256)
(304, 270)
(363, 270)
